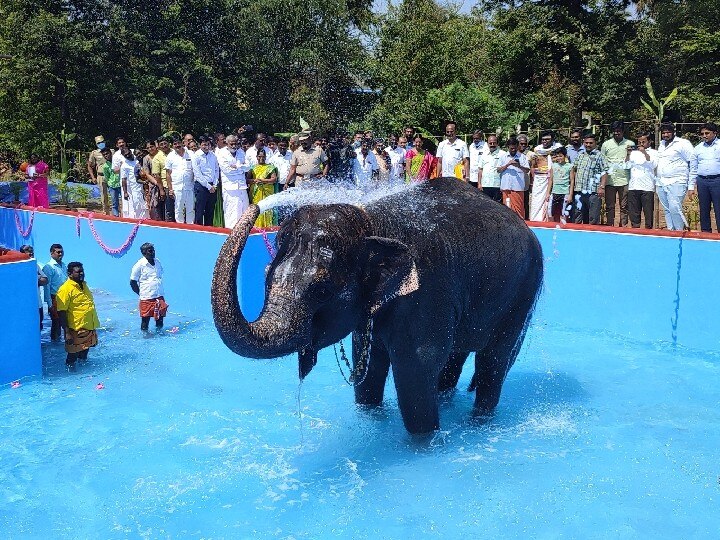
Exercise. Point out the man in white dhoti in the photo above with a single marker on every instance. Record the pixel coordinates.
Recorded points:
(541, 166)
(231, 160)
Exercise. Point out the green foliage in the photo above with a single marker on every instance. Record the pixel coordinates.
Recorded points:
(132, 69)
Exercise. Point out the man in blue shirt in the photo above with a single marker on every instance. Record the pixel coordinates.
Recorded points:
(56, 272)
(708, 175)
(576, 146)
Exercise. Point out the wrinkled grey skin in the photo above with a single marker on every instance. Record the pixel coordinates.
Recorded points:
(443, 271)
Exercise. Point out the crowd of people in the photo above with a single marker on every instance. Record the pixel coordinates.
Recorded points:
(71, 305)
(212, 179)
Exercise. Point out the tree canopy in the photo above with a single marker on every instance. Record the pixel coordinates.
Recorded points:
(129, 68)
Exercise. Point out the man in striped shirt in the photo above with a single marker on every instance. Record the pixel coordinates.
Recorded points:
(588, 177)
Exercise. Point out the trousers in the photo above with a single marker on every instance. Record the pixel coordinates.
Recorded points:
(671, 198)
(204, 205)
(614, 194)
(708, 191)
(185, 206)
(586, 208)
(641, 202)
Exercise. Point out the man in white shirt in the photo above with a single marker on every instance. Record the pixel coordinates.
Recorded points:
(231, 161)
(146, 280)
(477, 149)
(488, 177)
(281, 160)
(251, 154)
(180, 180)
(513, 167)
(206, 172)
(117, 157)
(397, 160)
(676, 175)
(708, 176)
(641, 189)
(452, 152)
(365, 166)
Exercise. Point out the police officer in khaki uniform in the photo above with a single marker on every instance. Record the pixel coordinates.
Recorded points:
(95, 169)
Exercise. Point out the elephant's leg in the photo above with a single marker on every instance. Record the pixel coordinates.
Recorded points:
(416, 381)
(451, 371)
(493, 362)
(370, 388)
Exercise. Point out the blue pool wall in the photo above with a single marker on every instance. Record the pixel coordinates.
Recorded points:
(20, 349)
(659, 288)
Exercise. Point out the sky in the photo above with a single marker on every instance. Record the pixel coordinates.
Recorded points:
(466, 5)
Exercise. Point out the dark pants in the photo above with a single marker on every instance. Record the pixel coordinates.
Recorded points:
(708, 192)
(74, 357)
(558, 204)
(641, 201)
(588, 211)
(55, 326)
(169, 208)
(611, 194)
(526, 202)
(204, 205)
(145, 322)
(493, 192)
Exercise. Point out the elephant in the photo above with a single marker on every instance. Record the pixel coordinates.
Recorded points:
(422, 277)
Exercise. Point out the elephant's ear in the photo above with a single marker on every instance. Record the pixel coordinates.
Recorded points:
(388, 272)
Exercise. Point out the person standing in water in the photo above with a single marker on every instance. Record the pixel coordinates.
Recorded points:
(78, 317)
(146, 280)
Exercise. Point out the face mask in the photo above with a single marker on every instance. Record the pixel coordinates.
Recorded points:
(101, 146)
(477, 144)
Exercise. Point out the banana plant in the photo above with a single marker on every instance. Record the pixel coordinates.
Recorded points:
(659, 110)
(63, 140)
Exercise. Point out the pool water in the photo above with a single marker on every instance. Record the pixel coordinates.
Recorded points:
(595, 436)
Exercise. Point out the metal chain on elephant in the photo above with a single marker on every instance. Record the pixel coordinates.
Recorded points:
(363, 362)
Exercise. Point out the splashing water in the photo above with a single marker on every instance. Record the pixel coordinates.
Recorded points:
(324, 192)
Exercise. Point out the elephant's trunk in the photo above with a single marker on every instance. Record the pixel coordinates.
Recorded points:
(282, 328)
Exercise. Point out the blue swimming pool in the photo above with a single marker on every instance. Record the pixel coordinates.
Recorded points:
(608, 425)
(596, 436)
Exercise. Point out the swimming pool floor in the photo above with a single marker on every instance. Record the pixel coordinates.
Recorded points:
(595, 436)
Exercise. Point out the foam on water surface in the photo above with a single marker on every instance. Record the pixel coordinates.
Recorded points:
(595, 436)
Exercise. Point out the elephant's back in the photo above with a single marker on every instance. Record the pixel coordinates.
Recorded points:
(431, 217)
(462, 241)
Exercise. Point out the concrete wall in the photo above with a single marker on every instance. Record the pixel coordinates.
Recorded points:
(654, 287)
(20, 328)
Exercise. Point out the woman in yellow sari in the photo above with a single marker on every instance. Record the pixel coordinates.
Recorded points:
(419, 163)
(262, 182)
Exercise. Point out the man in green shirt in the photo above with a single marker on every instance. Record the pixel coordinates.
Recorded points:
(112, 179)
(615, 151)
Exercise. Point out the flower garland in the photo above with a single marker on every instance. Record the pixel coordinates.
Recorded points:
(268, 245)
(24, 232)
(107, 249)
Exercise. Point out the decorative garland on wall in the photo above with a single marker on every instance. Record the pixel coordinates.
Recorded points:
(24, 232)
(118, 251)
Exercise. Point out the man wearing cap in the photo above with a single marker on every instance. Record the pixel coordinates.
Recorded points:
(95, 164)
(307, 162)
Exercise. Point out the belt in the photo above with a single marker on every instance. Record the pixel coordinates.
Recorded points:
(708, 176)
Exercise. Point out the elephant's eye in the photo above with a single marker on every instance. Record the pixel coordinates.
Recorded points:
(322, 292)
